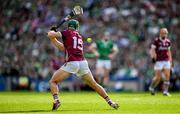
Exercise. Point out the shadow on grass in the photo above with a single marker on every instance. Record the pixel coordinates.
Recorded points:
(63, 110)
(82, 110)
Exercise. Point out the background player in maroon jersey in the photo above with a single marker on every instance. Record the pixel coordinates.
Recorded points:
(161, 55)
(75, 62)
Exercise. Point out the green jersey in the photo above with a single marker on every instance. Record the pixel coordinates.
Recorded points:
(104, 48)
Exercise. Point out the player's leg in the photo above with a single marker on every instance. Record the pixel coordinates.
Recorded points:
(166, 82)
(58, 76)
(106, 72)
(106, 77)
(99, 72)
(155, 81)
(94, 85)
(88, 78)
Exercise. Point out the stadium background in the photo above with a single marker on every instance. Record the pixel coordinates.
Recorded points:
(28, 59)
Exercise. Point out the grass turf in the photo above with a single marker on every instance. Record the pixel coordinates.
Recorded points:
(89, 103)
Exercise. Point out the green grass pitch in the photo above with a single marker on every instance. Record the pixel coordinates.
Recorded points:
(89, 103)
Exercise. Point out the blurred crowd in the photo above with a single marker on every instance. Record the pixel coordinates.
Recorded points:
(25, 50)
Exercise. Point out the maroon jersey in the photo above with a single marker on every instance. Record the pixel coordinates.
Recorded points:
(73, 44)
(162, 47)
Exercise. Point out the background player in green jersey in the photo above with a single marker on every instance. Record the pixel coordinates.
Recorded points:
(105, 50)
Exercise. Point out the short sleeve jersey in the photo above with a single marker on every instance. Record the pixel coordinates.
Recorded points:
(104, 48)
(73, 44)
(162, 47)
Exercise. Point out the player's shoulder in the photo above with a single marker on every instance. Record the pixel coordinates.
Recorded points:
(77, 33)
(110, 41)
(156, 39)
(64, 31)
(98, 41)
(69, 31)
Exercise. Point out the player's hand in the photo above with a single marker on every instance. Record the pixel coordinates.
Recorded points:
(153, 60)
(53, 28)
(111, 56)
(96, 54)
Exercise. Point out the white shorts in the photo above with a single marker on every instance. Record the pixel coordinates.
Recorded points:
(76, 67)
(103, 64)
(159, 65)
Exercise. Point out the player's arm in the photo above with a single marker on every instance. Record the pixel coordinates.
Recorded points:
(114, 52)
(153, 53)
(170, 57)
(53, 38)
(93, 48)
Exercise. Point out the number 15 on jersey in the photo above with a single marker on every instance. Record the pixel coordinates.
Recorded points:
(77, 43)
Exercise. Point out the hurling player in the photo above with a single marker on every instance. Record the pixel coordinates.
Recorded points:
(161, 55)
(75, 62)
(105, 50)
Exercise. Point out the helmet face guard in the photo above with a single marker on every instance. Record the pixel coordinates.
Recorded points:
(73, 24)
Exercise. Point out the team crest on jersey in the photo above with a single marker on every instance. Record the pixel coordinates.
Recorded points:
(163, 48)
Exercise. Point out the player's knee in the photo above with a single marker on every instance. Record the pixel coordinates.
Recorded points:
(52, 81)
(99, 75)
